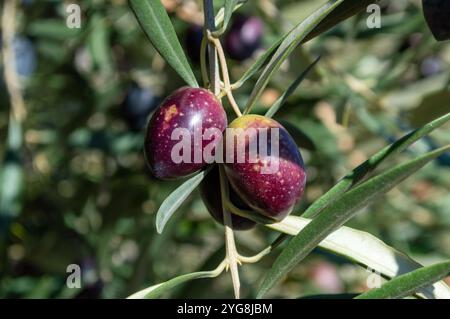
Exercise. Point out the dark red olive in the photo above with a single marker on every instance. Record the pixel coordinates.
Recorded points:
(437, 13)
(211, 196)
(244, 37)
(270, 182)
(182, 119)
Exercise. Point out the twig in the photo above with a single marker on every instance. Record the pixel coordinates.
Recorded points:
(225, 75)
(255, 258)
(18, 110)
(215, 87)
(232, 254)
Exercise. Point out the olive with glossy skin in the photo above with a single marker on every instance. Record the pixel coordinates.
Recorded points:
(437, 14)
(192, 109)
(211, 196)
(269, 189)
(244, 37)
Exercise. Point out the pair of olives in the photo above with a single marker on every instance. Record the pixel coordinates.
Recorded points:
(195, 110)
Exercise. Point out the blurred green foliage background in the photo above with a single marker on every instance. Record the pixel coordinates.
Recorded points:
(88, 199)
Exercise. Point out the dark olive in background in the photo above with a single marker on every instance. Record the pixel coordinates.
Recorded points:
(139, 103)
(437, 13)
(244, 37)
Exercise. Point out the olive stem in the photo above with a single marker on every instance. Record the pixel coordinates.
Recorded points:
(235, 85)
(247, 214)
(220, 268)
(255, 258)
(232, 254)
(18, 110)
(225, 74)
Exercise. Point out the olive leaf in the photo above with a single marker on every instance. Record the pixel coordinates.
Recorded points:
(345, 10)
(229, 7)
(334, 216)
(175, 199)
(289, 43)
(221, 14)
(409, 283)
(371, 164)
(156, 24)
(156, 291)
(279, 103)
(366, 250)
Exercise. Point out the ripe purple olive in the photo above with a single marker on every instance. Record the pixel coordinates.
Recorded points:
(244, 37)
(211, 196)
(271, 181)
(183, 117)
(436, 14)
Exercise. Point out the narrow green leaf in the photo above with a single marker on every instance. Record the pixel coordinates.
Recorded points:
(220, 17)
(372, 163)
(279, 103)
(175, 199)
(157, 290)
(156, 24)
(286, 47)
(334, 216)
(366, 250)
(345, 10)
(229, 7)
(409, 283)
